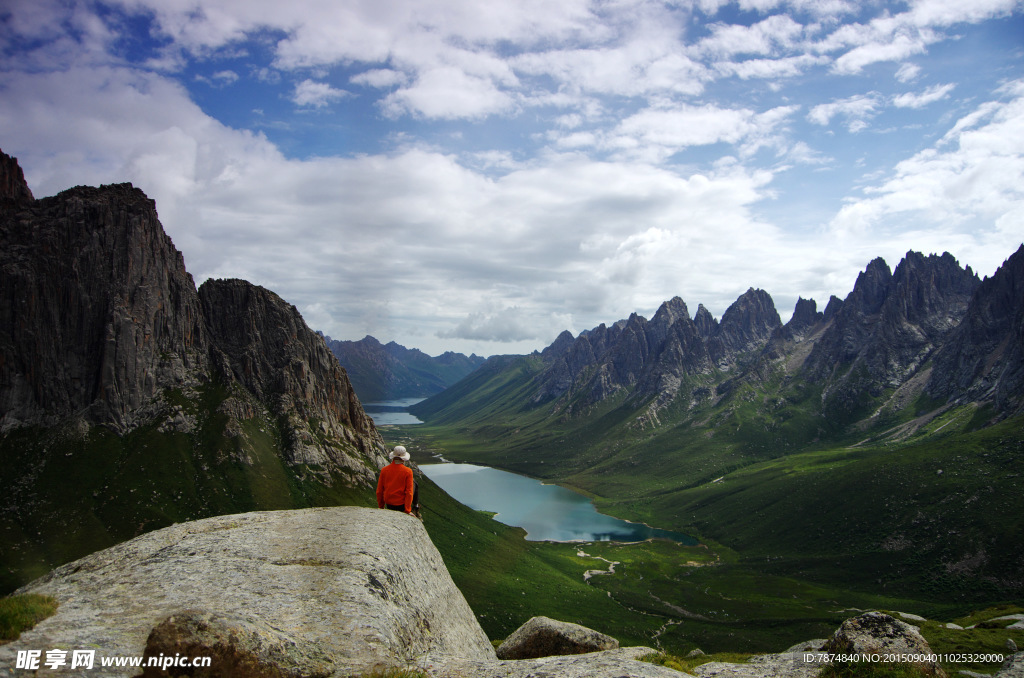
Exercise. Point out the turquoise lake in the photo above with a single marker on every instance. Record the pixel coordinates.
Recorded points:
(546, 512)
(392, 412)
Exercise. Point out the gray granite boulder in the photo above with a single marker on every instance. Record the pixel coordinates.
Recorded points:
(312, 593)
(876, 633)
(343, 589)
(546, 637)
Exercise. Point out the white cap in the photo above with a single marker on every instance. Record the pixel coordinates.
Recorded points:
(399, 453)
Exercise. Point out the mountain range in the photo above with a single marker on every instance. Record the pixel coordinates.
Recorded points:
(877, 442)
(879, 439)
(391, 371)
(130, 400)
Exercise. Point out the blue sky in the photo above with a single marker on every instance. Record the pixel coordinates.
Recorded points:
(478, 177)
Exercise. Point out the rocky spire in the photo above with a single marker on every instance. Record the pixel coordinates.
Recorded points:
(12, 180)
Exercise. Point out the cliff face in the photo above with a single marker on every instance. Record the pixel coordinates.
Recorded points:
(984, 356)
(260, 342)
(112, 365)
(101, 317)
(98, 312)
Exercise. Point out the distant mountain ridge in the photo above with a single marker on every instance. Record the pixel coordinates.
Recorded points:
(130, 400)
(882, 334)
(391, 371)
(888, 425)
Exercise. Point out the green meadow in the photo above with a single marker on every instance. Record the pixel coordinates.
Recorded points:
(790, 544)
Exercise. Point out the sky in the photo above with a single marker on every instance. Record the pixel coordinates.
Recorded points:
(480, 176)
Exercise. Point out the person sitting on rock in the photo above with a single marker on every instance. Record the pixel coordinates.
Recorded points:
(396, 489)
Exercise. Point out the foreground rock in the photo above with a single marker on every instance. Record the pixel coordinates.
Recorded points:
(1013, 667)
(876, 633)
(316, 592)
(347, 588)
(545, 637)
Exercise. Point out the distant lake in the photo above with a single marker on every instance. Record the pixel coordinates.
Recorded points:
(546, 512)
(392, 412)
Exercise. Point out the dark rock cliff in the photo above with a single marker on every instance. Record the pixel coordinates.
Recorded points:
(13, 187)
(983, 358)
(99, 320)
(888, 327)
(98, 312)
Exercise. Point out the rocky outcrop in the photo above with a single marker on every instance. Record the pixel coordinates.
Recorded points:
(97, 315)
(317, 592)
(887, 328)
(983, 360)
(876, 633)
(546, 637)
(13, 187)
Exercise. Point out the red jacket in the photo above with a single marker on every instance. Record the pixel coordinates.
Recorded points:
(395, 486)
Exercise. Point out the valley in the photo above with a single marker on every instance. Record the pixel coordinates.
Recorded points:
(773, 567)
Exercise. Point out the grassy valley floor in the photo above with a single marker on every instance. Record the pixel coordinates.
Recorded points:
(664, 595)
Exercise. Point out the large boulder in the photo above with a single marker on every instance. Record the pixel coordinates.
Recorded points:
(879, 634)
(309, 593)
(545, 637)
(341, 591)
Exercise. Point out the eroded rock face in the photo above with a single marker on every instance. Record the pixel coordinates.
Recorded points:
(876, 633)
(546, 637)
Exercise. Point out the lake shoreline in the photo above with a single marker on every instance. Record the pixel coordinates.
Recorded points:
(548, 512)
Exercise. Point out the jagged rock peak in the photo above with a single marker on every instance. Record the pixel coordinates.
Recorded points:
(671, 311)
(559, 346)
(749, 321)
(805, 314)
(832, 308)
(12, 180)
(706, 324)
(871, 288)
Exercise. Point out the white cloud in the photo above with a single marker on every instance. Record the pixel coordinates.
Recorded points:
(490, 243)
(908, 72)
(763, 38)
(316, 94)
(922, 99)
(380, 78)
(973, 176)
(856, 110)
(448, 93)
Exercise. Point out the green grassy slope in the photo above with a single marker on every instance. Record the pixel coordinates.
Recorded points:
(70, 495)
(908, 498)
